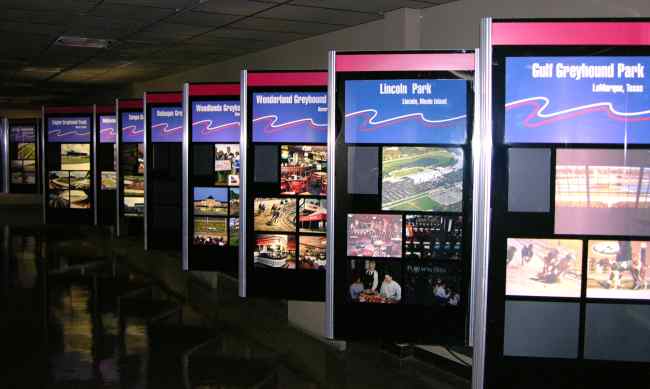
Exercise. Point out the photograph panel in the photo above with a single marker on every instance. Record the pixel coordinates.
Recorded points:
(312, 252)
(109, 180)
(374, 282)
(434, 237)
(226, 164)
(428, 179)
(618, 269)
(210, 231)
(80, 189)
(234, 202)
(133, 206)
(374, 235)
(303, 170)
(233, 232)
(75, 156)
(59, 189)
(275, 214)
(312, 215)
(210, 201)
(275, 251)
(543, 267)
(133, 185)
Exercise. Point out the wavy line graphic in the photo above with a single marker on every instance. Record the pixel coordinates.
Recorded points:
(371, 124)
(165, 128)
(270, 124)
(110, 131)
(540, 104)
(208, 129)
(132, 131)
(64, 133)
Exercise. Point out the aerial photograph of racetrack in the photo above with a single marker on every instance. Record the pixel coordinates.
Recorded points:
(422, 179)
(275, 214)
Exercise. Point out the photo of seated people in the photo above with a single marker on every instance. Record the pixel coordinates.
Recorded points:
(375, 282)
(425, 284)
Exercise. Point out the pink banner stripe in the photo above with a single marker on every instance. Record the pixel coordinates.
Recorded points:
(315, 78)
(104, 109)
(214, 89)
(164, 98)
(130, 104)
(404, 62)
(78, 109)
(571, 33)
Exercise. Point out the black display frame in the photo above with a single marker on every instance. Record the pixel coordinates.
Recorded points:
(12, 150)
(209, 258)
(106, 198)
(289, 284)
(519, 371)
(400, 322)
(161, 238)
(66, 215)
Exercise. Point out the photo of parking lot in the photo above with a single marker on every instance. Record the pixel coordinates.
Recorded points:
(427, 179)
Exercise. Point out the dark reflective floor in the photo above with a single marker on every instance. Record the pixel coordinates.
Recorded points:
(74, 316)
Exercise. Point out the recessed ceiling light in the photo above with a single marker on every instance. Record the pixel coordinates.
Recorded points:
(80, 41)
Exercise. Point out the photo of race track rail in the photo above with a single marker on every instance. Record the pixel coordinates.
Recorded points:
(427, 179)
(275, 214)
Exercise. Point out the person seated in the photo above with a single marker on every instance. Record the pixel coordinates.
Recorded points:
(356, 288)
(390, 290)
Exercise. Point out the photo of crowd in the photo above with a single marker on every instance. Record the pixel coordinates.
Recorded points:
(429, 284)
(312, 252)
(433, 237)
(275, 214)
(226, 164)
(422, 179)
(210, 201)
(210, 231)
(618, 269)
(275, 251)
(374, 235)
(375, 282)
(312, 215)
(303, 170)
(543, 267)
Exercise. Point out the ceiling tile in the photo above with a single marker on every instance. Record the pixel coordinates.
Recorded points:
(36, 16)
(58, 5)
(208, 19)
(377, 6)
(236, 34)
(320, 15)
(234, 7)
(302, 29)
(178, 31)
(34, 28)
(152, 3)
(131, 12)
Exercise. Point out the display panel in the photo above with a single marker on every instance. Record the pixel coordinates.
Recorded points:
(107, 129)
(289, 117)
(216, 121)
(68, 129)
(132, 127)
(20, 134)
(22, 155)
(618, 269)
(544, 267)
(602, 192)
(166, 124)
(423, 179)
(403, 111)
(577, 99)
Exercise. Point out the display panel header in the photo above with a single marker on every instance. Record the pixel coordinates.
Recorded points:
(126, 104)
(314, 78)
(406, 111)
(132, 127)
(22, 134)
(225, 89)
(561, 33)
(386, 62)
(68, 129)
(167, 124)
(216, 121)
(107, 132)
(577, 100)
(164, 97)
(290, 117)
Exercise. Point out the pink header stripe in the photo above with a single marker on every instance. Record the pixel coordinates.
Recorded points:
(404, 62)
(105, 109)
(164, 98)
(315, 78)
(214, 89)
(571, 33)
(130, 104)
(78, 109)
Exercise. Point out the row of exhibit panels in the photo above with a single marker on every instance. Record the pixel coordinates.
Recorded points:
(549, 98)
(20, 155)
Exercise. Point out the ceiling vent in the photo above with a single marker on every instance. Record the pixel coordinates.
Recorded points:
(79, 41)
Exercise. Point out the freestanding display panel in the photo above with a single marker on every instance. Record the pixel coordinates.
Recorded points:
(163, 156)
(211, 163)
(284, 185)
(68, 165)
(568, 298)
(400, 258)
(4, 155)
(130, 167)
(105, 146)
(23, 154)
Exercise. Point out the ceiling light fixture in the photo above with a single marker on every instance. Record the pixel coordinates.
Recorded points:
(80, 41)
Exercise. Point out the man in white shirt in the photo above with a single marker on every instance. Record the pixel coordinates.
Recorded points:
(390, 290)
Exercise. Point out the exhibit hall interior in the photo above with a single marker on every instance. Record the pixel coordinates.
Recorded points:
(279, 194)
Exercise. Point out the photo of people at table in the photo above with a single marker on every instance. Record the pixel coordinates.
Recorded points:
(375, 282)
(374, 235)
(433, 237)
(303, 170)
